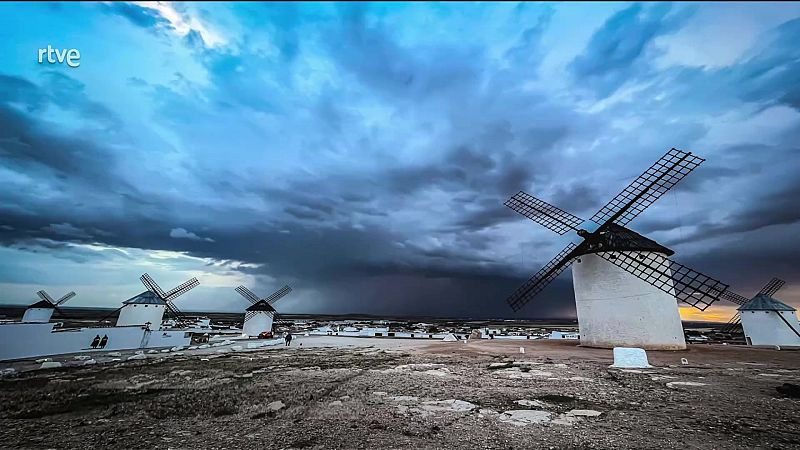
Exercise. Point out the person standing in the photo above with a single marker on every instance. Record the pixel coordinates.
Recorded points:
(96, 341)
(104, 341)
(288, 338)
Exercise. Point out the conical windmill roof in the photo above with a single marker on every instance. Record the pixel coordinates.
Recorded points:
(42, 304)
(145, 298)
(763, 302)
(619, 238)
(261, 305)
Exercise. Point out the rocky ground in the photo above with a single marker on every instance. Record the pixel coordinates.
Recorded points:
(421, 395)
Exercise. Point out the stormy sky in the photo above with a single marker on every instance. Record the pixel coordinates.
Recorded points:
(362, 152)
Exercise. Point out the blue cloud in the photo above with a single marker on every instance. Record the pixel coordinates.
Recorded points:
(617, 52)
(342, 147)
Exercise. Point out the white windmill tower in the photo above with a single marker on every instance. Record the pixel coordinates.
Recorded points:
(150, 305)
(764, 319)
(259, 315)
(42, 311)
(625, 285)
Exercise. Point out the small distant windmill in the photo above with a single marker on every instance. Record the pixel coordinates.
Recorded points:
(169, 296)
(42, 310)
(625, 285)
(763, 319)
(734, 325)
(259, 315)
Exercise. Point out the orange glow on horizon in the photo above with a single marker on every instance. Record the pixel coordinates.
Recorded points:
(712, 314)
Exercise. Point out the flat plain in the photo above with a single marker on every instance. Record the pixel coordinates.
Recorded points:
(337, 392)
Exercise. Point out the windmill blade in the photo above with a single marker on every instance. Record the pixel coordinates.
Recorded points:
(101, 320)
(733, 297)
(174, 311)
(45, 296)
(734, 325)
(648, 187)
(58, 311)
(542, 278)
(543, 213)
(772, 287)
(152, 286)
(181, 289)
(688, 285)
(66, 297)
(279, 294)
(248, 294)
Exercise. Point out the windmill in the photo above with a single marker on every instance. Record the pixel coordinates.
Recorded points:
(42, 310)
(172, 294)
(763, 319)
(259, 315)
(734, 325)
(150, 305)
(625, 284)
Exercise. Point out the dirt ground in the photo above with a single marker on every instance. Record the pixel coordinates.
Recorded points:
(386, 393)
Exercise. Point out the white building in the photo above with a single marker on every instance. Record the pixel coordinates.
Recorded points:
(767, 321)
(617, 309)
(39, 312)
(258, 318)
(34, 337)
(142, 309)
(561, 335)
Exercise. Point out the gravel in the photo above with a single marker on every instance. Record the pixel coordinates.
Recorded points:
(366, 397)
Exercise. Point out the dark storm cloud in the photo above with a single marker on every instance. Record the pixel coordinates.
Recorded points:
(75, 164)
(748, 261)
(331, 150)
(778, 207)
(383, 65)
(489, 216)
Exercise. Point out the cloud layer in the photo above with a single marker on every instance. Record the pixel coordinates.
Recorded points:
(362, 152)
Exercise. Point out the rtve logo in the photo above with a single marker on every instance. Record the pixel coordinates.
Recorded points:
(71, 56)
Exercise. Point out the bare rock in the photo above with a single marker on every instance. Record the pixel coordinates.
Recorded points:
(584, 413)
(522, 417)
(276, 406)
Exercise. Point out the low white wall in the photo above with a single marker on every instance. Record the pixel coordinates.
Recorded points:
(33, 340)
(390, 334)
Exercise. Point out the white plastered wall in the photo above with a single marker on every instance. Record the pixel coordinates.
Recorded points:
(617, 309)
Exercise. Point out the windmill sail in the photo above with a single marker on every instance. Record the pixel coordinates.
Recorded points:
(181, 289)
(46, 297)
(152, 286)
(279, 294)
(65, 298)
(688, 285)
(648, 187)
(734, 298)
(56, 303)
(543, 213)
(772, 287)
(734, 325)
(248, 294)
(542, 278)
(171, 295)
